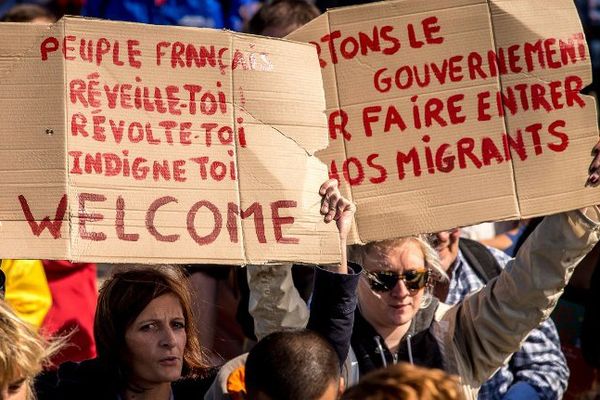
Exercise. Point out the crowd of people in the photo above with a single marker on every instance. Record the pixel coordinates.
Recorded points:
(435, 316)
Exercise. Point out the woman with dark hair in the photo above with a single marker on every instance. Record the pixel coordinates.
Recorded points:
(147, 343)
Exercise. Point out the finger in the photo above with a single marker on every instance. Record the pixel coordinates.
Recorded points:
(593, 180)
(342, 206)
(596, 161)
(324, 206)
(595, 164)
(333, 201)
(331, 183)
(333, 198)
(328, 201)
(330, 214)
(329, 189)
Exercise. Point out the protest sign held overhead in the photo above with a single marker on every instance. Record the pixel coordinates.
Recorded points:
(450, 113)
(137, 143)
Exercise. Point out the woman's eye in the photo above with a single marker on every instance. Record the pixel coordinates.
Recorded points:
(148, 327)
(15, 387)
(178, 325)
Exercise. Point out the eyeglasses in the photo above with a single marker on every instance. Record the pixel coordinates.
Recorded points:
(384, 281)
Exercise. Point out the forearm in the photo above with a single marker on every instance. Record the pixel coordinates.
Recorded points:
(492, 323)
(332, 307)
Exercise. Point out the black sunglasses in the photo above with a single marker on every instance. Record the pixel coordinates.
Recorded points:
(384, 281)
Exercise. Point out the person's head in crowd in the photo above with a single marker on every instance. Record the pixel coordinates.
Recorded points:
(405, 382)
(278, 18)
(446, 245)
(145, 329)
(23, 353)
(293, 365)
(29, 13)
(398, 280)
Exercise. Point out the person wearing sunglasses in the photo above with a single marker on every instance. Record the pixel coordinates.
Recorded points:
(399, 319)
(396, 303)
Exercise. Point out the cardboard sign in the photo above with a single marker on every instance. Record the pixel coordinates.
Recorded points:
(450, 113)
(133, 143)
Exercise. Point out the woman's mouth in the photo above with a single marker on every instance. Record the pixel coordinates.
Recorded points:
(398, 306)
(169, 361)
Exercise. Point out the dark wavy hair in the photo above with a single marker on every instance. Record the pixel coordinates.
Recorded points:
(124, 296)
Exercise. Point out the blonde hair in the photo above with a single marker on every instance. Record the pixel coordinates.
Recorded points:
(406, 382)
(23, 352)
(361, 253)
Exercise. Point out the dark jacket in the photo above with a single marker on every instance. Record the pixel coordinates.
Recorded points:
(93, 380)
(419, 343)
(333, 305)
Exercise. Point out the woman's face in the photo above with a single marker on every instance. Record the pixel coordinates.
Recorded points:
(14, 390)
(155, 343)
(388, 310)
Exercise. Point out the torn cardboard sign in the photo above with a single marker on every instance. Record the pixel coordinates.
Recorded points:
(450, 113)
(132, 143)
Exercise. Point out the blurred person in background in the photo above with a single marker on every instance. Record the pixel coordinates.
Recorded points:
(57, 8)
(34, 13)
(278, 18)
(74, 295)
(22, 355)
(26, 290)
(216, 14)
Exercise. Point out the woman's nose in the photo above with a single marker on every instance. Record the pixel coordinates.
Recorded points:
(168, 338)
